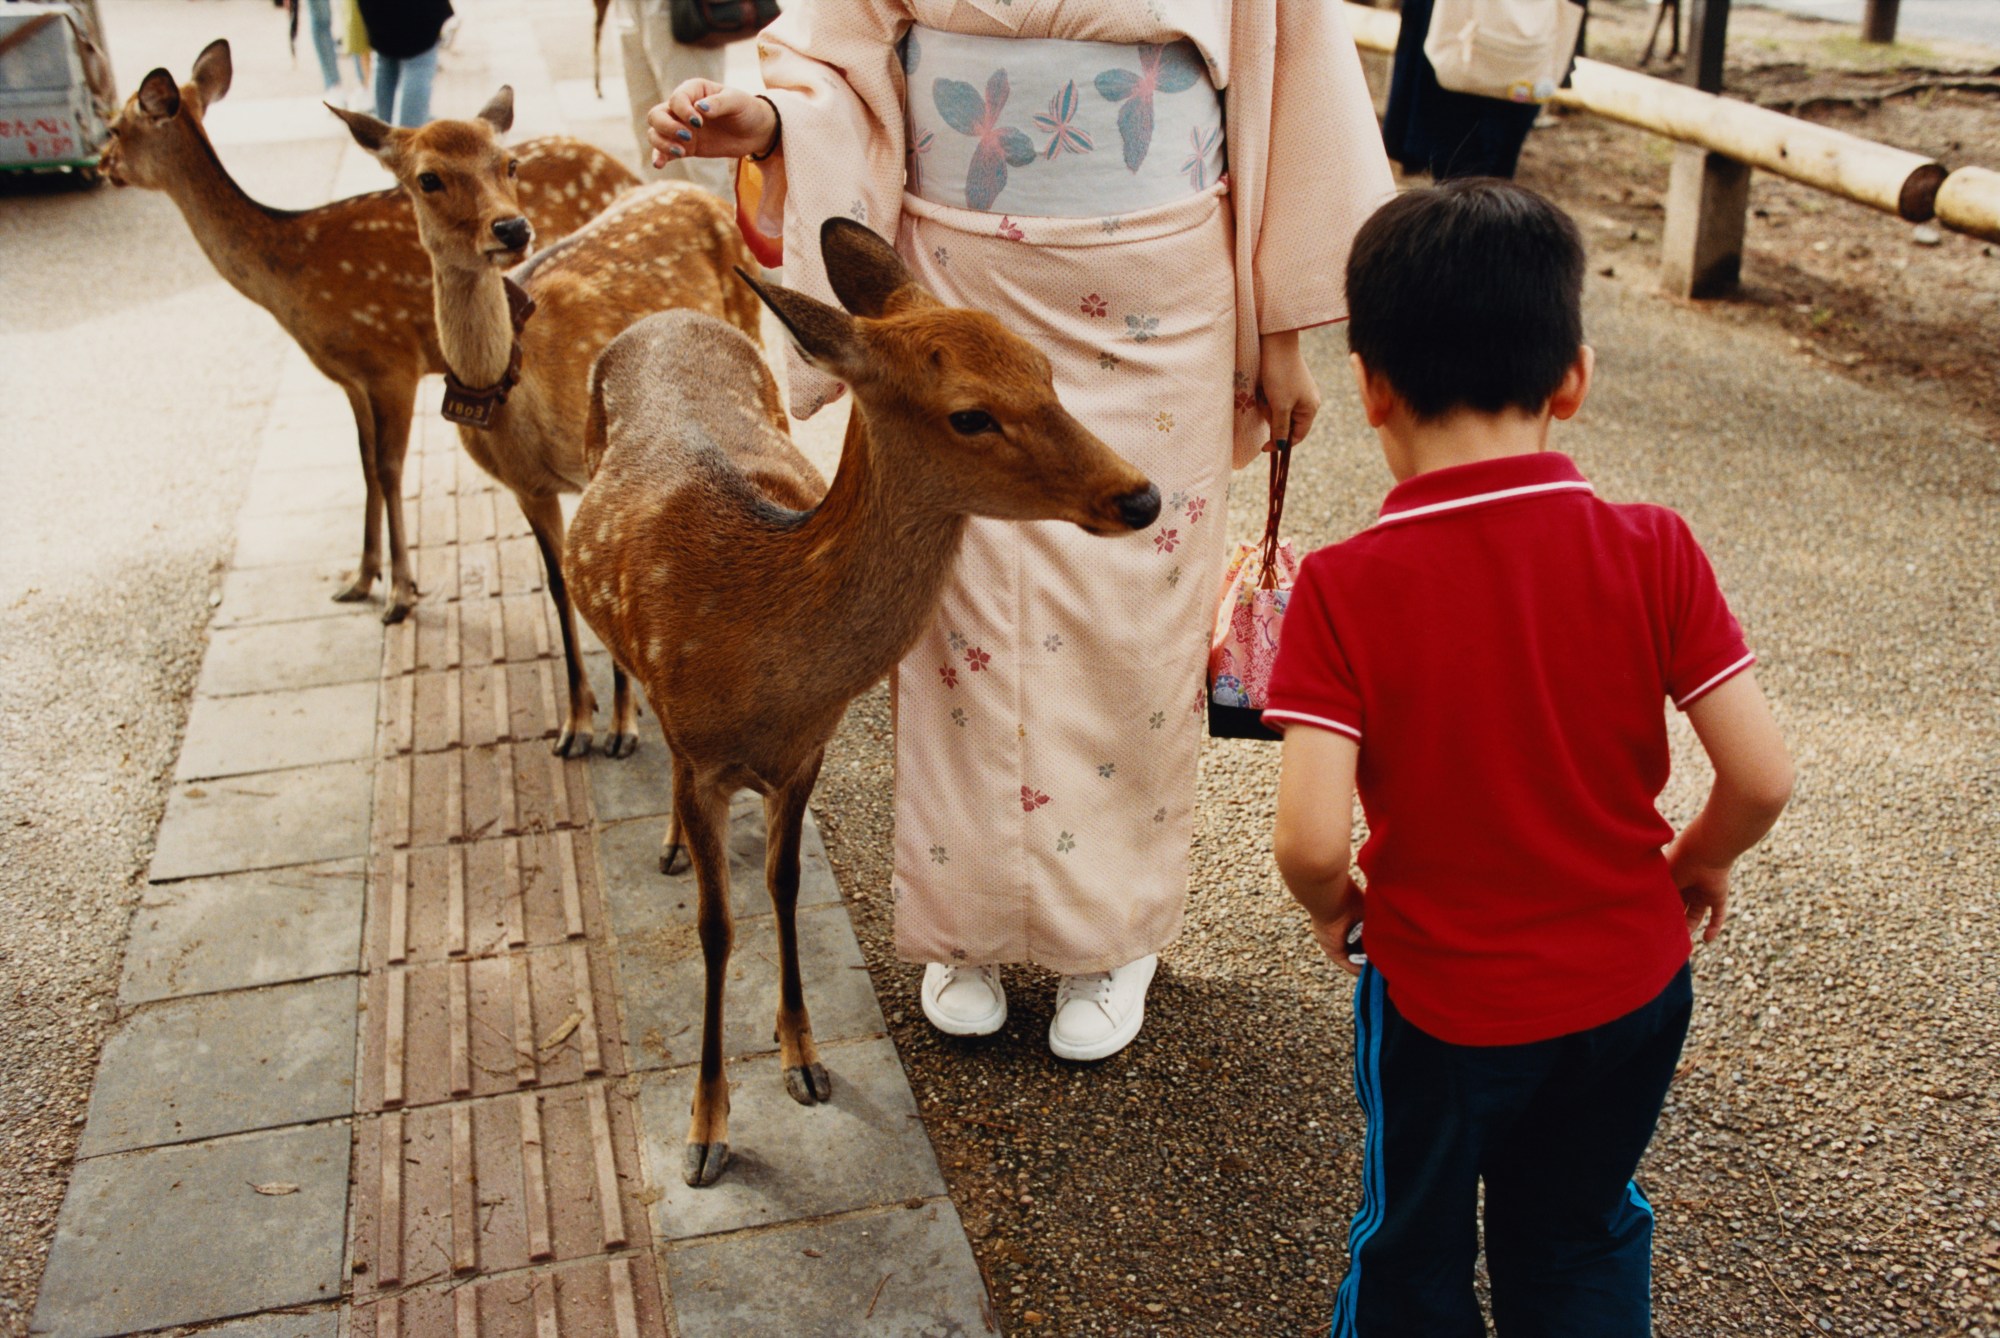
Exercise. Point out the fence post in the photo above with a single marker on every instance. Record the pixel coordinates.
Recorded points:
(1708, 195)
(1878, 21)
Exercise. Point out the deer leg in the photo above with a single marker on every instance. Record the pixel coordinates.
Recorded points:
(624, 740)
(674, 857)
(545, 518)
(393, 407)
(704, 815)
(784, 821)
(363, 580)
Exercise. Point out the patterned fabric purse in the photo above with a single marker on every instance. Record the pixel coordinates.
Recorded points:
(1255, 590)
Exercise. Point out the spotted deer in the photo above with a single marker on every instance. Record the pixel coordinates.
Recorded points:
(753, 601)
(518, 347)
(347, 281)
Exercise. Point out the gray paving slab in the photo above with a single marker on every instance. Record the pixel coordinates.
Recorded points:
(662, 974)
(180, 1235)
(270, 657)
(185, 1069)
(322, 1322)
(206, 935)
(642, 899)
(330, 534)
(904, 1273)
(288, 594)
(272, 731)
(307, 815)
(282, 492)
(641, 785)
(867, 1147)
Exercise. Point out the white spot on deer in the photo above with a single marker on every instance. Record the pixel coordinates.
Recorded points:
(655, 648)
(347, 267)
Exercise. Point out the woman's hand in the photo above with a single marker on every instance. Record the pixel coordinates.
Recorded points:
(704, 119)
(1291, 396)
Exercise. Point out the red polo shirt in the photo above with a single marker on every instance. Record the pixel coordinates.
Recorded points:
(1500, 641)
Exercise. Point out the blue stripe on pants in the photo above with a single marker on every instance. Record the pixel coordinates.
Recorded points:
(1368, 1091)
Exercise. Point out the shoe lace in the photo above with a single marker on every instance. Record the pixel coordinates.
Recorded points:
(952, 972)
(1093, 987)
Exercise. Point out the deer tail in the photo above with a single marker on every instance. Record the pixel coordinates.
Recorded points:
(596, 431)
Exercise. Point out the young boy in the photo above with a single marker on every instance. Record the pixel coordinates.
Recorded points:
(1489, 663)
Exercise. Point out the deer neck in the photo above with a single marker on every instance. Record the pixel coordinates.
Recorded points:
(475, 326)
(879, 547)
(249, 244)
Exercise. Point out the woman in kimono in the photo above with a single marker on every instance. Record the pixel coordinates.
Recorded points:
(1159, 194)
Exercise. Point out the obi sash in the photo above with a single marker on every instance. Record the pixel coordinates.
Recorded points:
(1046, 127)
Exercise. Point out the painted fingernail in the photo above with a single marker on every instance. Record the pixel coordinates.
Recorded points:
(702, 105)
(677, 152)
(695, 121)
(683, 136)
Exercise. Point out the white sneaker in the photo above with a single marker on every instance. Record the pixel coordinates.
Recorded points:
(964, 1000)
(1097, 1015)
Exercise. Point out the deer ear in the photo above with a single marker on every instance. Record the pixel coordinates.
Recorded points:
(867, 275)
(159, 96)
(499, 110)
(212, 71)
(371, 134)
(825, 335)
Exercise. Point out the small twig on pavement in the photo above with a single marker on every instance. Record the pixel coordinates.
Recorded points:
(989, 1124)
(1804, 1314)
(877, 1296)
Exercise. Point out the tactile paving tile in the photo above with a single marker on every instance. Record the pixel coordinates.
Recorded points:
(495, 1182)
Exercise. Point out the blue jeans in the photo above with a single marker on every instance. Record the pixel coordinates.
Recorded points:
(403, 88)
(1555, 1129)
(320, 13)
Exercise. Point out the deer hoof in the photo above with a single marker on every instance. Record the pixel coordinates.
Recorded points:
(621, 745)
(354, 591)
(674, 860)
(573, 743)
(398, 610)
(809, 1084)
(702, 1163)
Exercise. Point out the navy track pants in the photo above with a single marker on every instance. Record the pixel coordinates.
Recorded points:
(1554, 1128)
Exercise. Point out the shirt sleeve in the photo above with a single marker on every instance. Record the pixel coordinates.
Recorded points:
(1705, 643)
(1312, 682)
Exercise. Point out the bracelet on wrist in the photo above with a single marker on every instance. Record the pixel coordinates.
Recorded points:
(777, 134)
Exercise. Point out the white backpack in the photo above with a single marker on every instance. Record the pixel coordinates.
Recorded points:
(1513, 50)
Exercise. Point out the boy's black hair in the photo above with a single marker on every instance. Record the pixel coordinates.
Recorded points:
(1467, 295)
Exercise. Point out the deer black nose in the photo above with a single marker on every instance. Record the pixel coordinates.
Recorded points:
(513, 232)
(1140, 509)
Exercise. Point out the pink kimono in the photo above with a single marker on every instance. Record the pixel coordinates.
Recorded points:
(1049, 725)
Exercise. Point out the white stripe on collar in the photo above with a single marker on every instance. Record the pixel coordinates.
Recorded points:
(1527, 490)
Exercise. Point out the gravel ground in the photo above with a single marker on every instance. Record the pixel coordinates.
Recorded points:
(135, 384)
(1827, 1161)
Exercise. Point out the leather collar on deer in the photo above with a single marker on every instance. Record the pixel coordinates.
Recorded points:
(473, 406)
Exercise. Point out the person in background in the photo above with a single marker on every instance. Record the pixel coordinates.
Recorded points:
(655, 65)
(1489, 665)
(319, 17)
(404, 36)
(1431, 129)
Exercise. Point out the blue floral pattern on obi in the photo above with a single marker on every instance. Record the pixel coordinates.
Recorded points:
(1052, 163)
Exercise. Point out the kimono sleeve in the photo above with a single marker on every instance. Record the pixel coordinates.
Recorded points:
(1705, 646)
(1313, 682)
(1326, 171)
(833, 72)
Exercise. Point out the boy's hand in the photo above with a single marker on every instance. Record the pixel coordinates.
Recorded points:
(1704, 890)
(704, 119)
(1330, 932)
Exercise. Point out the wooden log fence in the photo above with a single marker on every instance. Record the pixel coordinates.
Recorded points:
(1893, 180)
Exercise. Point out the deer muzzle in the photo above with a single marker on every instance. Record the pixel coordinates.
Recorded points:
(514, 234)
(1139, 509)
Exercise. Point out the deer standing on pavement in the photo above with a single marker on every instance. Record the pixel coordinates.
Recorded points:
(347, 281)
(753, 602)
(522, 384)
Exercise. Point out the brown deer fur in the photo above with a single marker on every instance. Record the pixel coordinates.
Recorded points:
(753, 602)
(656, 248)
(348, 281)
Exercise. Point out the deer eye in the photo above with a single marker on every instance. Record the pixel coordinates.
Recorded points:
(431, 182)
(972, 422)
(513, 167)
